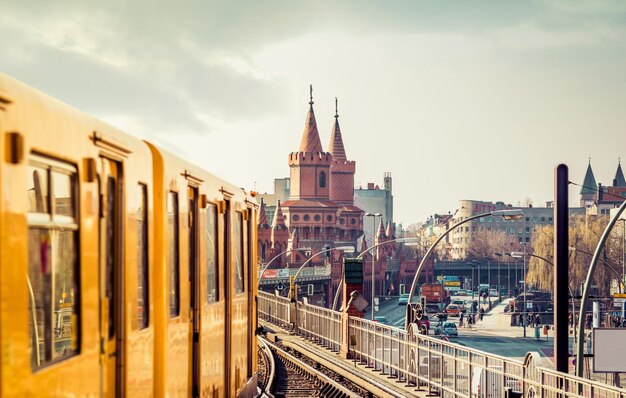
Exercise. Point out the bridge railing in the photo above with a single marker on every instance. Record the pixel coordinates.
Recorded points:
(430, 363)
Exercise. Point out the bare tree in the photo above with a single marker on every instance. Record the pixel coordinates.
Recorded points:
(485, 243)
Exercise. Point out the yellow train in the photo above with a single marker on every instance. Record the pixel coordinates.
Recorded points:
(124, 270)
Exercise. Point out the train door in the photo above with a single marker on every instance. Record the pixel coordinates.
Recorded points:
(111, 276)
(194, 305)
(227, 279)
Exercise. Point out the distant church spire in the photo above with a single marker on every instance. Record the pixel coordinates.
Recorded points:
(310, 137)
(279, 219)
(589, 184)
(336, 147)
(619, 175)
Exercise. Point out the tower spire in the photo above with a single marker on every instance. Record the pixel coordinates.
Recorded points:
(619, 175)
(336, 147)
(589, 184)
(310, 137)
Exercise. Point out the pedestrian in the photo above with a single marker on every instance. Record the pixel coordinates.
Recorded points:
(481, 313)
(589, 321)
(570, 318)
(520, 320)
(624, 322)
(461, 320)
(537, 320)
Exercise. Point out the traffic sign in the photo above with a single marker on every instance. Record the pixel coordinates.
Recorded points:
(280, 287)
(619, 300)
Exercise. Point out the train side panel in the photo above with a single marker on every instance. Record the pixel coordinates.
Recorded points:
(48, 269)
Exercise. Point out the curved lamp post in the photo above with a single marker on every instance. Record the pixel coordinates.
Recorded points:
(277, 256)
(585, 298)
(513, 214)
(408, 241)
(621, 283)
(292, 281)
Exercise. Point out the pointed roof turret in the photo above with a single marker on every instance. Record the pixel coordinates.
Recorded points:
(336, 143)
(619, 175)
(589, 184)
(279, 219)
(364, 245)
(262, 217)
(310, 137)
(390, 233)
(381, 230)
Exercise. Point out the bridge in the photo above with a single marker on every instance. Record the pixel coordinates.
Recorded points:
(425, 364)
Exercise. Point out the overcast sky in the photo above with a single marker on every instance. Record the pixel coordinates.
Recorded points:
(458, 100)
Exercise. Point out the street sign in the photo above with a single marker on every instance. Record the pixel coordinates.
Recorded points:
(619, 300)
(619, 295)
(280, 287)
(529, 306)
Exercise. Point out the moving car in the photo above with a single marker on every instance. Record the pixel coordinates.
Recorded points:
(453, 310)
(493, 293)
(461, 305)
(447, 329)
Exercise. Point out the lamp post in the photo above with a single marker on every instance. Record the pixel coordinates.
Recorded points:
(513, 214)
(407, 241)
(499, 279)
(277, 256)
(489, 279)
(523, 256)
(292, 281)
(473, 288)
(373, 215)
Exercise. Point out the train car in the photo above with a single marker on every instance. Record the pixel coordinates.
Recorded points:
(124, 270)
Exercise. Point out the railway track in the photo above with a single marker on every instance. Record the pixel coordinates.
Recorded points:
(282, 374)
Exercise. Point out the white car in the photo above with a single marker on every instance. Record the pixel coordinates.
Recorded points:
(447, 329)
(493, 293)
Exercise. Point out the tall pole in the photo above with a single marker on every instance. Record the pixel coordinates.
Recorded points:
(489, 280)
(373, 257)
(561, 269)
(524, 269)
(499, 279)
(508, 265)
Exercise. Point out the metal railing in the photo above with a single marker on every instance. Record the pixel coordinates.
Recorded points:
(430, 363)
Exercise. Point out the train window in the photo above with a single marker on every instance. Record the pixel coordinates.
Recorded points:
(37, 186)
(173, 263)
(210, 242)
(143, 307)
(238, 241)
(53, 293)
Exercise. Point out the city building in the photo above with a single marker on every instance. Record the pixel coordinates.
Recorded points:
(374, 199)
(522, 229)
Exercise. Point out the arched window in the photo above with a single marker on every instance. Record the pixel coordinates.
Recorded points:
(322, 180)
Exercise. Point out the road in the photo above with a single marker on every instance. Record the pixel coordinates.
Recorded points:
(493, 334)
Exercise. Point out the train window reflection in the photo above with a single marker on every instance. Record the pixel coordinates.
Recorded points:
(142, 259)
(238, 242)
(173, 263)
(210, 243)
(53, 294)
(62, 194)
(37, 188)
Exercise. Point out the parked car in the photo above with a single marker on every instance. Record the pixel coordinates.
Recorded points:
(381, 319)
(404, 299)
(453, 310)
(461, 305)
(447, 329)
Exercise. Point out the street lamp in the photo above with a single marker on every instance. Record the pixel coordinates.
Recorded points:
(583, 303)
(407, 241)
(489, 279)
(512, 214)
(522, 255)
(292, 281)
(499, 279)
(373, 215)
(277, 256)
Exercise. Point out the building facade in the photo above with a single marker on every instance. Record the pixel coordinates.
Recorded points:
(599, 199)
(374, 199)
